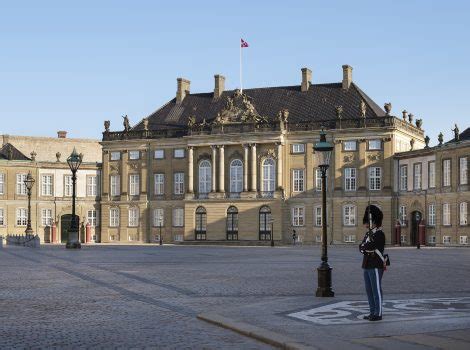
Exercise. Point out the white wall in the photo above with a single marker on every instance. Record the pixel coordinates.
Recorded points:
(59, 180)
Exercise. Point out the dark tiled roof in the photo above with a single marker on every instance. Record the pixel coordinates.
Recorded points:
(318, 103)
(465, 135)
(10, 152)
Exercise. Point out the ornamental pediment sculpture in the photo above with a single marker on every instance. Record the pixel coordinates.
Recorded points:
(238, 109)
(270, 153)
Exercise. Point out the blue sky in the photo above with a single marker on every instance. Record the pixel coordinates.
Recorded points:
(71, 65)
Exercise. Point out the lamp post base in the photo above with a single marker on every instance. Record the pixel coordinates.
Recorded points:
(324, 281)
(73, 243)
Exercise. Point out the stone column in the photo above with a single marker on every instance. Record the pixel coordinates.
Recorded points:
(245, 168)
(362, 168)
(214, 157)
(279, 165)
(124, 174)
(254, 186)
(221, 169)
(190, 169)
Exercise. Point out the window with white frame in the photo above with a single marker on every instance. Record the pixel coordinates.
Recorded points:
(417, 176)
(432, 240)
(402, 215)
(404, 178)
(463, 171)
(178, 217)
(446, 214)
(432, 215)
(463, 239)
(375, 145)
(350, 145)
(92, 217)
(158, 217)
(349, 215)
(318, 180)
(115, 184)
(115, 155)
(375, 178)
(205, 176)
(133, 155)
(20, 185)
(463, 214)
(350, 179)
(159, 154)
(403, 238)
(2, 183)
(236, 176)
(298, 214)
(46, 185)
(298, 148)
(133, 217)
(317, 211)
(432, 174)
(350, 238)
(21, 217)
(446, 240)
(298, 178)
(268, 175)
(46, 217)
(2, 217)
(446, 172)
(92, 186)
(178, 153)
(134, 181)
(159, 184)
(114, 217)
(68, 185)
(178, 183)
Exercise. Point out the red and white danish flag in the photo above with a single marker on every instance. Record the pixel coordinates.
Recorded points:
(243, 43)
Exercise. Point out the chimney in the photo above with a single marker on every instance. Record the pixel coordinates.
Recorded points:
(347, 76)
(182, 89)
(306, 79)
(62, 134)
(219, 85)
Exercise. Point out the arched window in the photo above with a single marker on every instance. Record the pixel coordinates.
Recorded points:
(265, 219)
(201, 223)
(268, 177)
(205, 177)
(236, 176)
(232, 223)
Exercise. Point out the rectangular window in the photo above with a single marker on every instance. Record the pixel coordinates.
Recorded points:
(375, 145)
(298, 216)
(432, 215)
(463, 239)
(463, 213)
(463, 171)
(446, 240)
(68, 185)
(403, 238)
(417, 176)
(446, 214)
(92, 217)
(350, 179)
(114, 217)
(350, 238)
(2, 217)
(298, 148)
(318, 180)
(349, 215)
(115, 155)
(2, 183)
(404, 178)
(350, 145)
(375, 178)
(179, 183)
(318, 216)
(133, 217)
(133, 155)
(20, 186)
(298, 176)
(21, 217)
(432, 240)
(178, 217)
(115, 184)
(402, 215)
(432, 174)
(446, 172)
(158, 217)
(159, 154)
(134, 181)
(46, 185)
(92, 186)
(178, 153)
(159, 188)
(46, 217)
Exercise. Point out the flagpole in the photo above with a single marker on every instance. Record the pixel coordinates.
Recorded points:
(241, 84)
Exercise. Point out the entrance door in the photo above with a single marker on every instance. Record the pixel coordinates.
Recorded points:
(265, 224)
(65, 224)
(415, 219)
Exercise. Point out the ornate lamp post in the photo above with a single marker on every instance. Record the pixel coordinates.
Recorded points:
(74, 161)
(29, 183)
(323, 151)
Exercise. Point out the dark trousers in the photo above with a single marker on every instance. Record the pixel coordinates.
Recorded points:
(373, 282)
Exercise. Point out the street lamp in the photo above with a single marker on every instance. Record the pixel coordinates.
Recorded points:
(322, 155)
(160, 235)
(74, 161)
(272, 232)
(29, 183)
